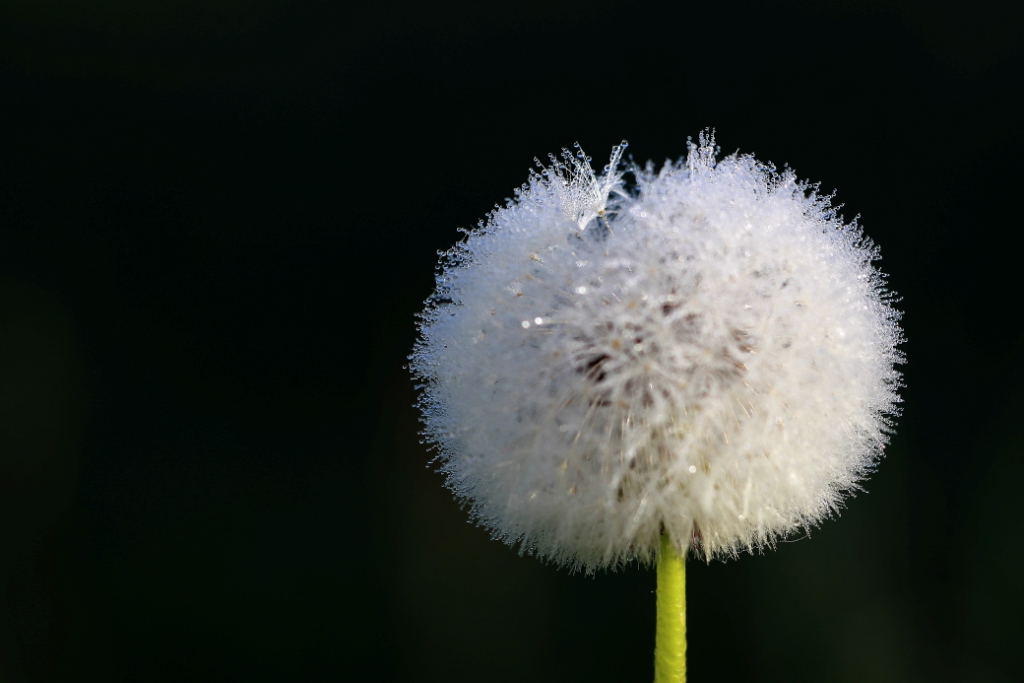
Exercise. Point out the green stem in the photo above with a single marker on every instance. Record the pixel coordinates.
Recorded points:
(670, 638)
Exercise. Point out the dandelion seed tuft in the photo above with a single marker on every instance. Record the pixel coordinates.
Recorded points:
(710, 355)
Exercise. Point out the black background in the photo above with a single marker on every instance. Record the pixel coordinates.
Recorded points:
(218, 218)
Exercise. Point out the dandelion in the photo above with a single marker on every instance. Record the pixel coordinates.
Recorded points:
(703, 362)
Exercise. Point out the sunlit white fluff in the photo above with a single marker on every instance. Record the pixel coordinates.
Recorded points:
(710, 355)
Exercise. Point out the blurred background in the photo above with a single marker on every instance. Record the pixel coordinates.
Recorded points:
(218, 218)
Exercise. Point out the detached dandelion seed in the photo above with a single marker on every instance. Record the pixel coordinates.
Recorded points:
(704, 363)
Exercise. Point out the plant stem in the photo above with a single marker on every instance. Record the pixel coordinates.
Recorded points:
(670, 637)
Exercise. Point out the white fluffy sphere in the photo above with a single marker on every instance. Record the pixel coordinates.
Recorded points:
(710, 355)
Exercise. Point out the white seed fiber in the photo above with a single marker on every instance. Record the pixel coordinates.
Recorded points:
(709, 354)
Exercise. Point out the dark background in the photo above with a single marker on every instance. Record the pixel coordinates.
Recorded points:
(217, 219)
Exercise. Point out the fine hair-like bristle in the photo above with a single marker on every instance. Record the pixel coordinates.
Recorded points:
(710, 355)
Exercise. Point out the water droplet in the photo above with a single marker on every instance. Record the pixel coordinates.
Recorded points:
(692, 468)
(526, 323)
(538, 321)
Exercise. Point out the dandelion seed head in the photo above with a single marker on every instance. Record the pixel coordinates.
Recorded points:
(709, 355)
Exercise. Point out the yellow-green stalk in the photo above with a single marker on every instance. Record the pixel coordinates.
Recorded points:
(670, 638)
